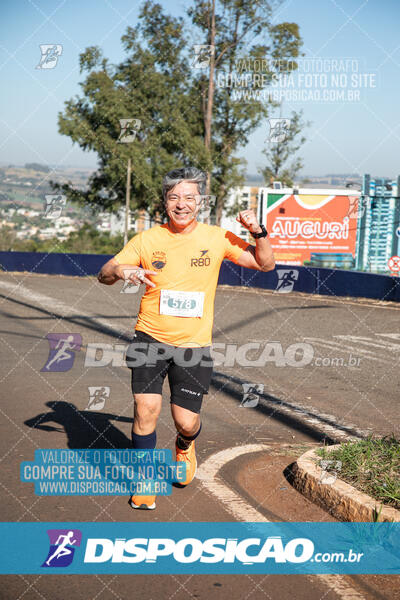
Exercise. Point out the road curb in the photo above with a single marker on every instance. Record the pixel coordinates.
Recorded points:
(342, 500)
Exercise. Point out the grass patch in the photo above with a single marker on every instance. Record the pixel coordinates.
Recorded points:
(371, 466)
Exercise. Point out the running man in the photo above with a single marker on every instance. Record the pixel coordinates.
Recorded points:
(288, 279)
(179, 263)
(62, 549)
(62, 353)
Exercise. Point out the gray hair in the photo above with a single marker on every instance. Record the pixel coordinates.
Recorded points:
(190, 174)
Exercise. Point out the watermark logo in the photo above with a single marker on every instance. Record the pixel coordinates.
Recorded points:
(129, 129)
(329, 471)
(56, 472)
(287, 279)
(62, 547)
(130, 286)
(278, 130)
(337, 362)
(357, 207)
(205, 203)
(62, 351)
(97, 397)
(251, 394)
(50, 54)
(54, 205)
(202, 55)
(194, 550)
(300, 80)
(251, 354)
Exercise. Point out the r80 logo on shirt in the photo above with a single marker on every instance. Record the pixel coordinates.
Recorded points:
(203, 261)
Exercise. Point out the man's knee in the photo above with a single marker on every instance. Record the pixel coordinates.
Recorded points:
(187, 424)
(146, 410)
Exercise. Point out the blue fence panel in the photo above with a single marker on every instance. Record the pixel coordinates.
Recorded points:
(311, 280)
(353, 283)
(316, 280)
(54, 263)
(230, 274)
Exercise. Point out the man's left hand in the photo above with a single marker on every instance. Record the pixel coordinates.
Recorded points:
(248, 219)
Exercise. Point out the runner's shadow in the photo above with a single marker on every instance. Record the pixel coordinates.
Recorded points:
(282, 410)
(84, 428)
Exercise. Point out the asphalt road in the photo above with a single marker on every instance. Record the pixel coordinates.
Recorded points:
(329, 370)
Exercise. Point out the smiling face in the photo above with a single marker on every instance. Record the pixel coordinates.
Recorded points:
(182, 204)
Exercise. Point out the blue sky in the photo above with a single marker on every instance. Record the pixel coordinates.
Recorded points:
(360, 136)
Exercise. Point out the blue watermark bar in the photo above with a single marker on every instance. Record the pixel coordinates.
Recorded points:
(59, 472)
(204, 548)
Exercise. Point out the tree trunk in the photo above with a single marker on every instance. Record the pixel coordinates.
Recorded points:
(227, 146)
(127, 202)
(220, 204)
(210, 96)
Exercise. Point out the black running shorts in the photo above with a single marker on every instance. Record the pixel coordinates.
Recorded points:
(189, 370)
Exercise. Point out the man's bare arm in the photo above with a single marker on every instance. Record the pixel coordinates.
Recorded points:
(260, 256)
(113, 271)
(108, 274)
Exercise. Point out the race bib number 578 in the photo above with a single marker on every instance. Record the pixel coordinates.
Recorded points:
(181, 304)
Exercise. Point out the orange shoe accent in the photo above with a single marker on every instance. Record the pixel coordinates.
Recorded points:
(143, 502)
(189, 457)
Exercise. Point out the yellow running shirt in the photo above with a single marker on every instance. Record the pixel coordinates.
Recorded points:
(179, 311)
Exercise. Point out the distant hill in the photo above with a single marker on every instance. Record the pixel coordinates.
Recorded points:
(37, 167)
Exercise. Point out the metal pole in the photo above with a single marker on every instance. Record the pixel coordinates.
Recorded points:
(261, 208)
(127, 201)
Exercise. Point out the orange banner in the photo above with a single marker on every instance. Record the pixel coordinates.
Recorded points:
(299, 225)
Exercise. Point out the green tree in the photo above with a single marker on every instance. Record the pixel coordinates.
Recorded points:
(149, 86)
(90, 241)
(85, 241)
(283, 164)
(187, 116)
(245, 44)
(7, 238)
